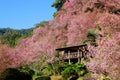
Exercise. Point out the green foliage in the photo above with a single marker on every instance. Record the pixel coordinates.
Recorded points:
(55, 68)
(87, 75)
(55, 14)
(80, 69)
(43, 78)
(14, 74)
(27, 70)
(11, 37)
(71, 71)
(48, 70)
(68, 72)
(37, 74)
(77, 70)
(26, 32)
(41, 24)
(40, 67)
(58, 4)
(91, 37)
(91, 32)
(99, 27)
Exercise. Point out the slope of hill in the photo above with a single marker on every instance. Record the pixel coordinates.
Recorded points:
(71, 24)
(70, 27)
(11, 37)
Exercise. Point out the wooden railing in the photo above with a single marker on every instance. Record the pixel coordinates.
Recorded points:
(71, 55)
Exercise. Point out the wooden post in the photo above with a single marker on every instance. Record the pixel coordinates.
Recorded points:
(83, 52)
(69, 56)
(78, 55)
(63, 54)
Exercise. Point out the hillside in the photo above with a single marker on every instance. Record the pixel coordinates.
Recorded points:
(11, 37)
(71, 26)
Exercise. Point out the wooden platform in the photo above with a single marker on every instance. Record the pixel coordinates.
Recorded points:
(73, 52)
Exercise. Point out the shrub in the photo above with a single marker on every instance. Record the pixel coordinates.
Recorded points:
(80, 69)
(14, 74)
(27, 70)
(68, 72)
(74, 70)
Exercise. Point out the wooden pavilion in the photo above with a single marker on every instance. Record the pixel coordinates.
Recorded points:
(73, 53)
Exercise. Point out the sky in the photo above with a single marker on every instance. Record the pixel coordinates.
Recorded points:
(24, 14)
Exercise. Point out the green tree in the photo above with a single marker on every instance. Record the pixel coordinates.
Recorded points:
(58, 4)
(11, 37)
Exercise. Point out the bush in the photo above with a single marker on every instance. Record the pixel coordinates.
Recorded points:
(68, 72)
(74, 71)
(27, 70)
(80, 69)
(14, 74)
